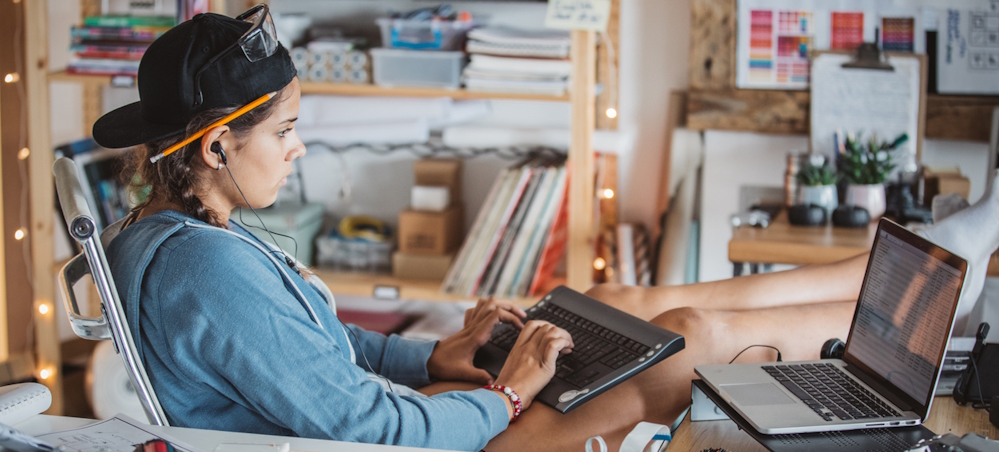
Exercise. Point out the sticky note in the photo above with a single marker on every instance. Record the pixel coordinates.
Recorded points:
(578, 14)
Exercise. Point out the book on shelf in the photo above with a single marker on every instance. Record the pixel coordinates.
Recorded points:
(121, 34)
(512, 232)
(129, 21)
(510, 60)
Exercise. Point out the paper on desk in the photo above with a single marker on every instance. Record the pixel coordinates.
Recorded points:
(118, 434)
(864, 101)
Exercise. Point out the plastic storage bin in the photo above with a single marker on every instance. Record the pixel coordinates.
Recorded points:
(400, 67)
(423, 34)
(299, 221)
(341, 253)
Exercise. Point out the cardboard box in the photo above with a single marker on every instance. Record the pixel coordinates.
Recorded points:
(419, 266)
(945, 181)
(431, 233)
(439, 173)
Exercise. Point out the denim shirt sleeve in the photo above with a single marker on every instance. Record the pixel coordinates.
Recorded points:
(397, 358)
(236, 326)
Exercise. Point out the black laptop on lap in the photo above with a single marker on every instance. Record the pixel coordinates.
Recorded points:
(610, 346)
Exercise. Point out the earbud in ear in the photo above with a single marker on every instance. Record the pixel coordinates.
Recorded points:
(217, 148)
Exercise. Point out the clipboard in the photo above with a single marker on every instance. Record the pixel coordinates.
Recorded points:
(865, 93)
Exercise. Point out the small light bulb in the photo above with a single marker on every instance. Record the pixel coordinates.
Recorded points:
(23, 153)
(43, 308)
(608, 193)
(11, 77)
(19, 234)
(45, 373)
(611, 113)
(599, 263)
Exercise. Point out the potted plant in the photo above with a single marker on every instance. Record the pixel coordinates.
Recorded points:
(817, 182)
(865, 167)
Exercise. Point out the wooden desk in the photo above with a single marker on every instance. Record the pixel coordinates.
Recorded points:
(946, 416)
(784, 243)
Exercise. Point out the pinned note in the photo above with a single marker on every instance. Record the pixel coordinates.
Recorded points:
(578, 14)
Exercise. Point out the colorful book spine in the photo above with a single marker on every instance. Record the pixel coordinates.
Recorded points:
(129, 21)
(127, 34)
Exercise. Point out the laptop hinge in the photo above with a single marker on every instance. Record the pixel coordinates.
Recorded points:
(877, 387)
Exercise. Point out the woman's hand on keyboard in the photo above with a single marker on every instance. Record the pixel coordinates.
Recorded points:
(531, 363)
(451, 359)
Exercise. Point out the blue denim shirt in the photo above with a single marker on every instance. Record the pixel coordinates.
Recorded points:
(229, 346)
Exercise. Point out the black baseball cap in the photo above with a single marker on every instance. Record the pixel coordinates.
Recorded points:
(168, 91)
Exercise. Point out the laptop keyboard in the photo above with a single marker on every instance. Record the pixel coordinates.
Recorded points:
(829, 392)
(592, 344)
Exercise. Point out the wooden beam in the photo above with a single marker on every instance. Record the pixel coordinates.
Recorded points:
(580, 243)
(610, 81)
(763, 111)
(960, 117)
(36, 19)
(711, 62)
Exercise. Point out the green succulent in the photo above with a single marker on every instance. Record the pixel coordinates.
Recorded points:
(868, 164)
(812, 175)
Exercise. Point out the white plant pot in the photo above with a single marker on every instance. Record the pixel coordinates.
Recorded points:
(820, 195)
(870, 197)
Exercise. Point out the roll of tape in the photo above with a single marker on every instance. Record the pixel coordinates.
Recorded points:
(358, 76)
(430, 198)
(338, 75)
(357, 59)
(108, 388)
(318, 58)
(300, 57)
(338, 59)
(303, 73)
(318, 73)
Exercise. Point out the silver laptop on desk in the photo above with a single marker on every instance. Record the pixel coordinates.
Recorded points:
(893, 355)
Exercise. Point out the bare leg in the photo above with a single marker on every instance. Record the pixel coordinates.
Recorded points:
(806, 285)
(661, 393)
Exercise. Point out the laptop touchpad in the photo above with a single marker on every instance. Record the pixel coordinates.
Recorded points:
(758, 394)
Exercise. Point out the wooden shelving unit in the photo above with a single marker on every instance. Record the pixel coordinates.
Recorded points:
(581, 161)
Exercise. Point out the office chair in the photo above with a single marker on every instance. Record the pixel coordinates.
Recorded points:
(112, 323)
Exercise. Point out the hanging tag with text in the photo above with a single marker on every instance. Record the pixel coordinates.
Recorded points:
(578, 14)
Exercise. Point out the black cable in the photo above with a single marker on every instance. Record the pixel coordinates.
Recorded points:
(751, 346)
(287, 260)
(370, 368)
(982, 403)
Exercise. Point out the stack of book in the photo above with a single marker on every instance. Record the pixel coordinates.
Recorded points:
(513, 60)
(113, 45)
(519, 235)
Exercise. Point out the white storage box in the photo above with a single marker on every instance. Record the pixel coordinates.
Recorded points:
(299, 221)
(400, 67)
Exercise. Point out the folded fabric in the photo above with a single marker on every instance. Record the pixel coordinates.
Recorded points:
(525, 65)
(518, 50)
(508, 75)
(553, 88)
(511, 35)
(399, 132)
(348, 110)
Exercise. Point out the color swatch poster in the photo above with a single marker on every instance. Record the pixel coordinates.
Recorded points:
(776, 38)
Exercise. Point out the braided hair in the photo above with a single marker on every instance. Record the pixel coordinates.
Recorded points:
(173, 179)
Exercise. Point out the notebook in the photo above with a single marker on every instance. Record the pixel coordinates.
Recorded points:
(894, 353)
(610, 346)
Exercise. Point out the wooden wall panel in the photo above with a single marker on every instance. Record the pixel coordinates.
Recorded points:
(715, 103)
(712, 44)
(763, 111)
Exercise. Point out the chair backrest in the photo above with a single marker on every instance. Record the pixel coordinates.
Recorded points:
(112, 323)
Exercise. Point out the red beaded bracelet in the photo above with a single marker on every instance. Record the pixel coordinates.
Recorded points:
(512, 395)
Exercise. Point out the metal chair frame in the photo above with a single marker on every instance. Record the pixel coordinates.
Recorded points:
(112, 323)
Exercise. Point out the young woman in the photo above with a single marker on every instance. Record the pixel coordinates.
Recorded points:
(237, 336)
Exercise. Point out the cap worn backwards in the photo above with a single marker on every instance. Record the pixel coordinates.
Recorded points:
(168, 81)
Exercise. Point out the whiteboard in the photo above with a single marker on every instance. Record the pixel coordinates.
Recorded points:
(865, 101)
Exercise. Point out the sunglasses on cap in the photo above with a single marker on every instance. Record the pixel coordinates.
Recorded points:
(259, 42)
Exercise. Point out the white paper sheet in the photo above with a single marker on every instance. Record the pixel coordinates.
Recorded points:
(864, 101)
(118, 434)
(968, 49)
